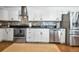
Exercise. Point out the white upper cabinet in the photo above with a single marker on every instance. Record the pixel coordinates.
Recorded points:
(3, 14)
(10, 13)
(13, 13)
(48, 13)
(43, 14)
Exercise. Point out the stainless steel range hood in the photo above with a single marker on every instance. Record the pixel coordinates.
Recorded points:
(23, 11)
(24, 16)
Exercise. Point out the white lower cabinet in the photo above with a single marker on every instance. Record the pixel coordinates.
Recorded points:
(37, 35)
(30, 35)
(44, 35)
(1, 35)
(9, 34)
(6, 34)
(62, 33)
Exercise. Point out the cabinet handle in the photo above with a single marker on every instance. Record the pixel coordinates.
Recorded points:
(6, 31)
(29, 32)
(11, 18)
(41, 33)
(61, 33)
(29, 37)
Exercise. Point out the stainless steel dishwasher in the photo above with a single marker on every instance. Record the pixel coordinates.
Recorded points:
(54, 36)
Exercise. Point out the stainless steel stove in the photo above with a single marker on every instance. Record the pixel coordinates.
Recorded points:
(19, 35)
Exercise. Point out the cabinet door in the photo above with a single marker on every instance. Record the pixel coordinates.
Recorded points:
(10, 34)
(52, 17)
(41, 35)
(34, 18)
(38, 33)
(1, 34)
(30, 35)
(33, 35)
(4, 36)
(44, 35)
(43, 14)
(13, 13)
(10, 13)
(3, 14)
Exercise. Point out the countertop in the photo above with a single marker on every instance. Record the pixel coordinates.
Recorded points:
(18, 26)
(26, 26)
(23, 26)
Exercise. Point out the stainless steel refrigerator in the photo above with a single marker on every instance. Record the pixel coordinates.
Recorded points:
(74, 28)
(71, 23)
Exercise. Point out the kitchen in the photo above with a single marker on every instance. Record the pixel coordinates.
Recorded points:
(44, 25)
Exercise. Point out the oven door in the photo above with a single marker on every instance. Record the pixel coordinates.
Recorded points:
(19, 32)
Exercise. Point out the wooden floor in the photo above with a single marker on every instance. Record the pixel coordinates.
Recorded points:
(31, 47)
(59, 47)
(4, 45)
(67, 48)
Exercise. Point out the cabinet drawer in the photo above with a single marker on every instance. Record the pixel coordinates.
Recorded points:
(37, 35)
(74, 40)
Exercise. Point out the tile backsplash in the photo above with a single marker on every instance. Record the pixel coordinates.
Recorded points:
(44, 23)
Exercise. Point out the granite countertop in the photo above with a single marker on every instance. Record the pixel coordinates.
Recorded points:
(26, 26)
(23, 26)
(19, 26)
